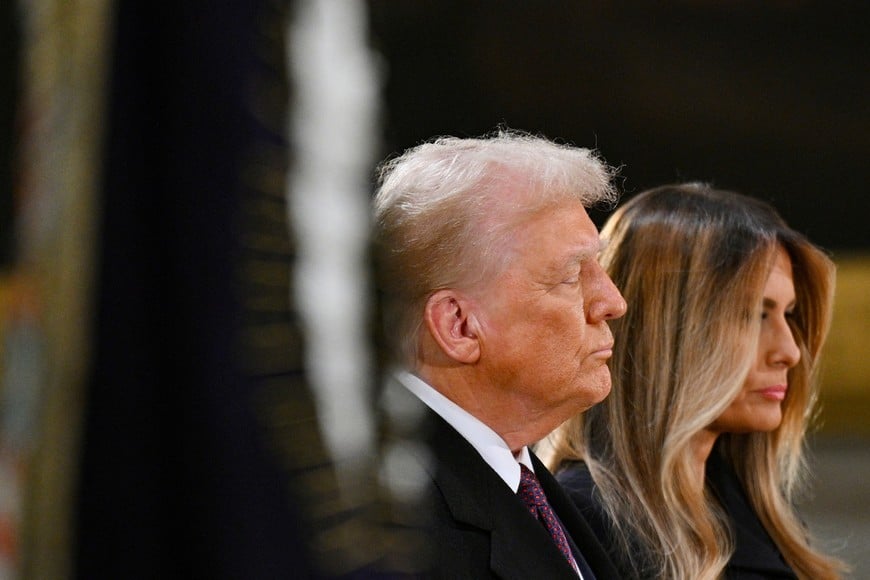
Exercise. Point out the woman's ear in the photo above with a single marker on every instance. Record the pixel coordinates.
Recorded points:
(452, 322)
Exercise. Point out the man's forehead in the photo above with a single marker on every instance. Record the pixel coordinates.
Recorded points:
(556, 234)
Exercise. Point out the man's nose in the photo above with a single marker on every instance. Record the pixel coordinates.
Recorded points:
(607, 302)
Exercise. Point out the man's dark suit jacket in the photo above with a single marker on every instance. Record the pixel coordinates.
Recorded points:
(481, 529)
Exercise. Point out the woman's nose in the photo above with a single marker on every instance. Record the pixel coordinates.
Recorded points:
(785, 350)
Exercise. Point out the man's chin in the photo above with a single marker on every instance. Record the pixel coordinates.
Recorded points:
(598, 393)
(588, 393)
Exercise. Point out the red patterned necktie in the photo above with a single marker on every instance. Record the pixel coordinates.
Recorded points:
(533, 496)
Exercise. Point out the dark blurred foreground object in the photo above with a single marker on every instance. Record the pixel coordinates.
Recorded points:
(203, 456)
(9, 90)
(197, 356)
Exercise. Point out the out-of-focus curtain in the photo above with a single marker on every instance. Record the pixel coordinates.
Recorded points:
(201, 451)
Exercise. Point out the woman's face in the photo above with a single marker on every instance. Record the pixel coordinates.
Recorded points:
(758, 407)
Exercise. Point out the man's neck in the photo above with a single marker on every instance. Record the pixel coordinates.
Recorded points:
(517, 424)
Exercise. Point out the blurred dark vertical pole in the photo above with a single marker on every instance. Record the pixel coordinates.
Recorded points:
(199, 421)
(9, 89)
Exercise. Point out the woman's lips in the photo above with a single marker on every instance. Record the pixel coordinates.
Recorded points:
(774, 393)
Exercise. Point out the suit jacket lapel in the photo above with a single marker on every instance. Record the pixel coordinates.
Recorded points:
(477, 496)
(576, 526)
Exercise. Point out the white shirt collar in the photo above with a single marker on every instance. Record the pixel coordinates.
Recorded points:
(489, 444)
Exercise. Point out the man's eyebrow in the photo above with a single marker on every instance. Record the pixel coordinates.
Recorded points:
(574, 259)
(578, 256)
(589, 252)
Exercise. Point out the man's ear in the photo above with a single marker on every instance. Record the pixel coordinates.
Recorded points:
(451, 321)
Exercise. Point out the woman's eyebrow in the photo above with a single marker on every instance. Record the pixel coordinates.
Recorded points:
(771, 303)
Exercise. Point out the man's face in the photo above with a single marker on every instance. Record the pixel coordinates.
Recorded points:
(545, 341)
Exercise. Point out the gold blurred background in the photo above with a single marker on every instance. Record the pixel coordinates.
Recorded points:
(845, 396)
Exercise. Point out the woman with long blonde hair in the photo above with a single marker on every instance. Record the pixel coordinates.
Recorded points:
(689, 469)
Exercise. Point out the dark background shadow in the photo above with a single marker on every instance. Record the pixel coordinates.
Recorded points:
(769, 100)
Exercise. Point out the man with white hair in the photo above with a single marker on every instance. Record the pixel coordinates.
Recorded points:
(496, 310)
